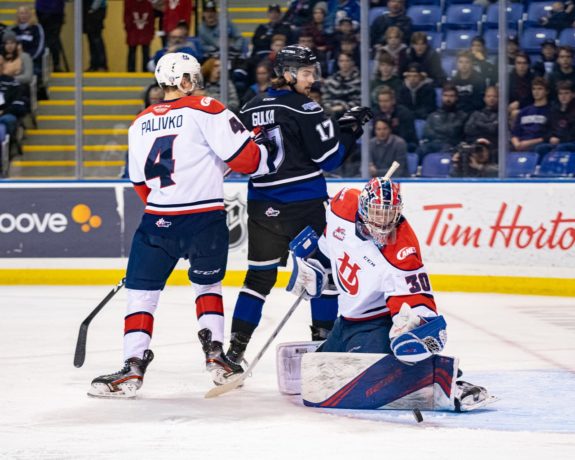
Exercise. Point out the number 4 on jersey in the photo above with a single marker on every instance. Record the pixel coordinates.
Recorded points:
(160, 162)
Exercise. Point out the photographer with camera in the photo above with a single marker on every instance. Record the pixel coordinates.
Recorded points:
(472, 160)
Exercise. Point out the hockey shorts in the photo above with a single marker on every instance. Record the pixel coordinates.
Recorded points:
(371, 336)
(271, 226)
(201, 238)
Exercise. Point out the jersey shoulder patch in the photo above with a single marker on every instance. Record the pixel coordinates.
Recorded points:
(344, 204)
(404, 253)
(203, 103)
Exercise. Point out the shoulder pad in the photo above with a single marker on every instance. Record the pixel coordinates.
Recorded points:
(404, 253)
(344, 204)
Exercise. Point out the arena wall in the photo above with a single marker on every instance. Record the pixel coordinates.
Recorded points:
(476, 236)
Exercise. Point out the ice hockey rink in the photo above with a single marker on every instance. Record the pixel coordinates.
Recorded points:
(521, 348)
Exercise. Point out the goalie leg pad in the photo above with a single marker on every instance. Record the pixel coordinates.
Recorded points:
(377, 381)
(288, 362)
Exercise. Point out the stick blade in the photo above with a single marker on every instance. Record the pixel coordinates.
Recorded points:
(225, 388)
(80, 353)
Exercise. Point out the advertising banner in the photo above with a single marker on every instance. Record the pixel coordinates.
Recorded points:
(59, 222)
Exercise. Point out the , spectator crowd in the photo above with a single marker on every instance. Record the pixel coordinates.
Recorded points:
(433, 70)
(433, 75)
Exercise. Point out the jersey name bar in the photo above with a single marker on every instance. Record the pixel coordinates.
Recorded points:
(160, 123)
(263, 118)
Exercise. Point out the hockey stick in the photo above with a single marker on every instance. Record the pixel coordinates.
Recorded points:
(80, 354)
(220, 390)
(391, 170)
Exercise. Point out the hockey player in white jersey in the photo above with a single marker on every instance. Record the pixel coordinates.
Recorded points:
(179, 150)
(386, 303)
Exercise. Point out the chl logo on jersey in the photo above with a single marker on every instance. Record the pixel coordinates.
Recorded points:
(347, 275)
(236, 220)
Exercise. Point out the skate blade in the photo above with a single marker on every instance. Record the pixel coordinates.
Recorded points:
(480, 404)
(102, 391)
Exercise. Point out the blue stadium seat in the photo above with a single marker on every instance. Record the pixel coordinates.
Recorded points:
(376, 12)
(412, 163)
(535, 11)
(425, 2)
(567, 37)
(491, 37)
(531, 39)
(457, 40)
(521, 164)
(436, 165)
(425, 17)
(449, 64)
(463, 17)
(434, 39)
(514, 16)
(419, 126)
(557, 164)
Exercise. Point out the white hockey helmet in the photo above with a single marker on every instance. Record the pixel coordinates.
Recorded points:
(172, 67)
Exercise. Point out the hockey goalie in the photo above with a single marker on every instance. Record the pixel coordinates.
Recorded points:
(384, 349)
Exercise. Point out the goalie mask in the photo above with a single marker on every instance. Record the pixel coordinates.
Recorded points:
(294, 57)
(379, 210)
(172, 67)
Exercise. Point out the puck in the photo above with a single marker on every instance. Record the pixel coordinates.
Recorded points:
(417, 415)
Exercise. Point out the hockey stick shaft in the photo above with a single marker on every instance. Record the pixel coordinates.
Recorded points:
(80, 353)
(220, 390)
(391, 170)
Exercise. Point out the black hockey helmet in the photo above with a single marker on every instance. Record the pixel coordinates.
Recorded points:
(292, 57)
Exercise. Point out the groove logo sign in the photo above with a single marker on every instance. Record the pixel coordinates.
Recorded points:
(48, 222)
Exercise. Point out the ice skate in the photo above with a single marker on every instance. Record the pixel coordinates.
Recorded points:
(469, 397)
(124, 383)
(237, 348)
(221, 369)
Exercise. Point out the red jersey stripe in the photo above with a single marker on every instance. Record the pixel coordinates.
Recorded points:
(189, 211)
(143, 191)
(247, 160)
(394, 303)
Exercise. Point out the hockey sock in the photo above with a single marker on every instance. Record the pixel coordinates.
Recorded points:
(210, 309)
(139, 322)
(248, 312)
(324, 311)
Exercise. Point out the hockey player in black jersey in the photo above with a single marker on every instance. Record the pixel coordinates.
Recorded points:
(280, 205)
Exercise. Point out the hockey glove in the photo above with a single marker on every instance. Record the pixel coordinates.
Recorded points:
(415, 338)
(260, 137)
(353, 120)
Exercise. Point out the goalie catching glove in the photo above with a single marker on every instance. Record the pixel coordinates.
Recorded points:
(415, 338)
(308, 275)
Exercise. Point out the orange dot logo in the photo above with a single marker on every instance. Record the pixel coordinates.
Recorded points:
(82, 215)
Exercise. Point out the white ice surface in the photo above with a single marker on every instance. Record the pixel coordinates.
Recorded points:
(521, 348)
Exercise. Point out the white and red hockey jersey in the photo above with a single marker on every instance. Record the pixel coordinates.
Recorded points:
(179, 150)
(373, 282)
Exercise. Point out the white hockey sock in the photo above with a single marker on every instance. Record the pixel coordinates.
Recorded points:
(139, 322)
(210, 309)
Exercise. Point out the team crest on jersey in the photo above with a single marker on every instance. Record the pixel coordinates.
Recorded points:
(404, 252)
(236, 220)
(206, 101)
(347, 276)
(163, 223)
(310, 105)
(161, 109)
(339, 233)
(271, 212)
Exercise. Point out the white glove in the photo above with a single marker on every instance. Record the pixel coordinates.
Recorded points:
(308, 276)
(404, 321)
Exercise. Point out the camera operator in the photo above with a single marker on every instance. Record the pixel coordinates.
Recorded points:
(473, 160)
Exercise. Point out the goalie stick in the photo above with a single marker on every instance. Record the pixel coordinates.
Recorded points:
(226, 387)
(80, 353)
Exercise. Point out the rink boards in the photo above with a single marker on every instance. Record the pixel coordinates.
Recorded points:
(488, 236)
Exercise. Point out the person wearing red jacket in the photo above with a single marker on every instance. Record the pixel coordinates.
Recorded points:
(139, 25)
(176, 11)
